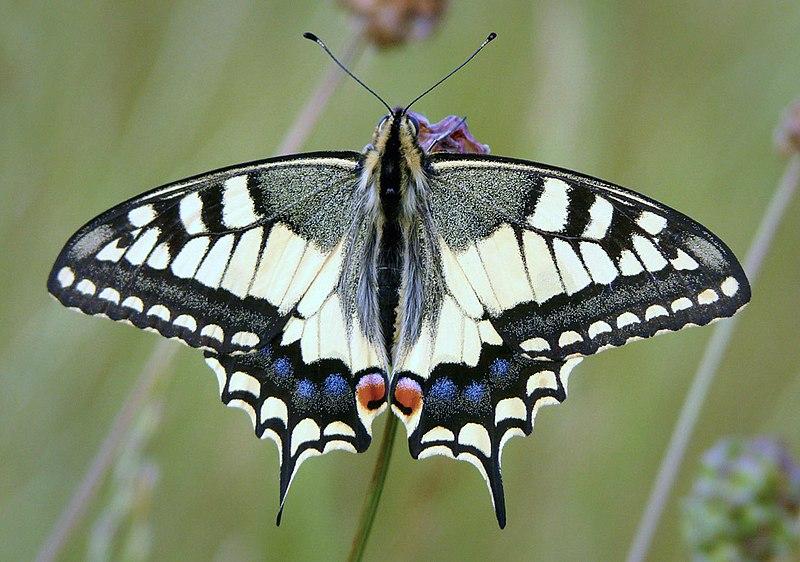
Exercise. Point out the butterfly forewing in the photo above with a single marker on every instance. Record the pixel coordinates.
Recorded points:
(564, 264)
(217, 261)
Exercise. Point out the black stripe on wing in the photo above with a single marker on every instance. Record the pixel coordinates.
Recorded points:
(469, 413)
(306, 409)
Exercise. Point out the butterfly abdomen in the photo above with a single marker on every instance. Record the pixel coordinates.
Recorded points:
(390, 253)
(401, 262)
(389, 278)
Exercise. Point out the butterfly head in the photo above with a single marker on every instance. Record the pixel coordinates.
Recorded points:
(395, 154)
(397, 127)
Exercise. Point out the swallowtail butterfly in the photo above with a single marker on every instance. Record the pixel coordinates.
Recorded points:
(458, 288)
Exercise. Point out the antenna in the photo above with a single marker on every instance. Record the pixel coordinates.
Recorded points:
(486, 41)
(319, 42)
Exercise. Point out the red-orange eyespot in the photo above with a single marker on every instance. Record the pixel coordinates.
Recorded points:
(408, 396)
(371, 391)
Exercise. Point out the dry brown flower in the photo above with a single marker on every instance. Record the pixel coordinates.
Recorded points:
(387, 23)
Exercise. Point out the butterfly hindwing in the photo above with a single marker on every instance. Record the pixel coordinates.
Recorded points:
(306, 408)
(219, 260)
(566, 265)
(469, 412)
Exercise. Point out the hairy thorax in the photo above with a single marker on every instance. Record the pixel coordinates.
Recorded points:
(396, 242)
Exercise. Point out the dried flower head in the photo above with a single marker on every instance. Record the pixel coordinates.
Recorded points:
(745, 503)
(787, 135)
(451, 134)
(393, 22)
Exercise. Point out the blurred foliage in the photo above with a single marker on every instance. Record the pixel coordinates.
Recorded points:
(101, 100)
(745, 503)
(787, 134)
(123, 530)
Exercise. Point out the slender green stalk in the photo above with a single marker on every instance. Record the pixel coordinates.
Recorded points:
(376, 484)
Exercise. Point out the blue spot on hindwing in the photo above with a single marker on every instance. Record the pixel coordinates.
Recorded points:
(283, 367)
(306, 396)
(338, 397)
(499, 368)
(335, 384)
(502, 373)
(475, 392)
(443, 389)
(440, 400)
(306, 388)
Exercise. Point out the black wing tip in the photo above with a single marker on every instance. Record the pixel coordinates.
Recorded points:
(279, 516)
(745, 288)
(311, 36)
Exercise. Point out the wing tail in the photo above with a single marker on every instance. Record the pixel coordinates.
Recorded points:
(470, 412)
(306, 409)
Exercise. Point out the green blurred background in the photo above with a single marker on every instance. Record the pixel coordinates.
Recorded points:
(102, 100)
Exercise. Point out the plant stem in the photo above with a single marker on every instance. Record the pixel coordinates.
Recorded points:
(375, 490)
(709, 364)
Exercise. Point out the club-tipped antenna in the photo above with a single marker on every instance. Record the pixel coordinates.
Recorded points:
(319, 42)
(486, 41)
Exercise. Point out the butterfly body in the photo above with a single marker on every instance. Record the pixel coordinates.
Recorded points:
(394, 180)
(460, 288)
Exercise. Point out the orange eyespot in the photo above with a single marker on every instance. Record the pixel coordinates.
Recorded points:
(408, 396)
(371, 391)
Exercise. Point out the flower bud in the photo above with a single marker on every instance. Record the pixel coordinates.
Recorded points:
(745, 503)
(388, 23)
(451, 134)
